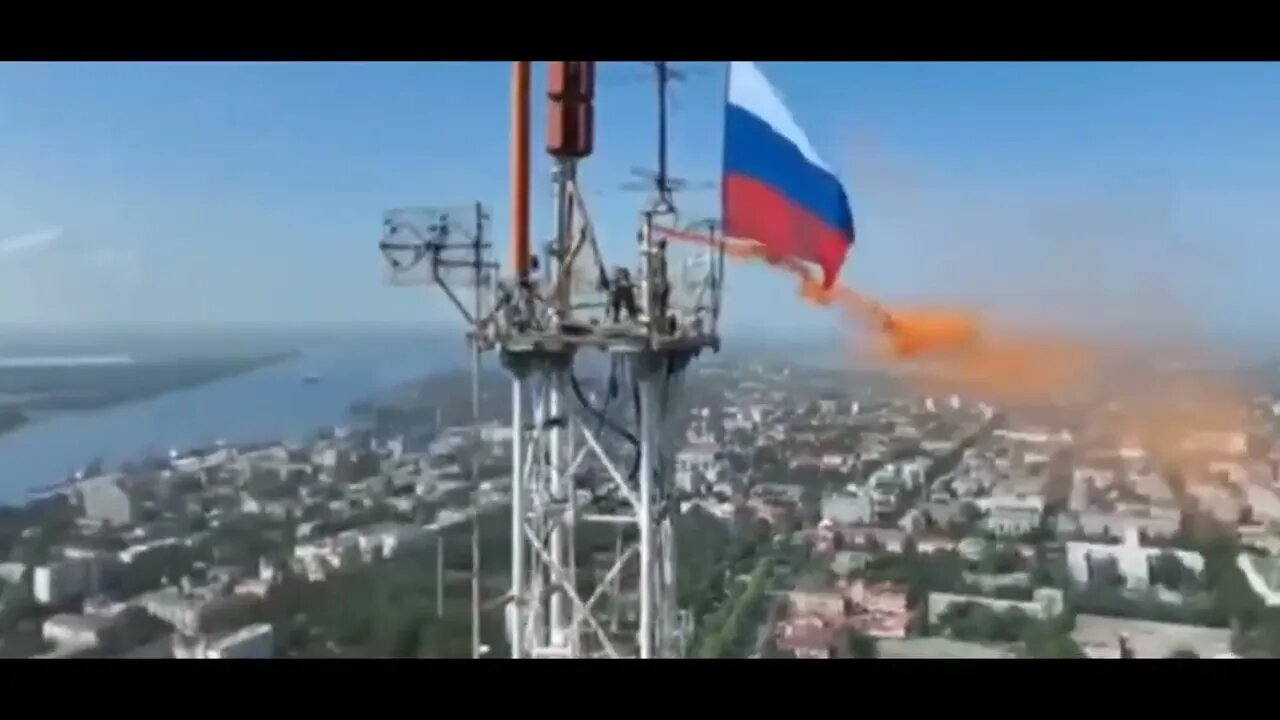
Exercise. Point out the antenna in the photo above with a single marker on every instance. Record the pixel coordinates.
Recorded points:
(448, 248)
(578, 457)
(660, 181)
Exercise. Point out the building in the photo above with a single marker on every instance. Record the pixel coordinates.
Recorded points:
(989, 583)
(1149, 520)
(806, 637)
(1034, 436)
(846, 562)
(140, 551)
(1100, 637)
(384, 542)
(64, 580)
(938, 648)
(252, 642)
(316, 559)
(1263, 576)
(889, 539)
(847, 507)
(190, 613)
(104, 501)
(778, 492)
(202, 459)
(1132, 560)
(1046, 603)
(697, 465)
(944, 512)
(1013, 515)
(880, 610)
(77, 631)
(12, 573)
(828, 605)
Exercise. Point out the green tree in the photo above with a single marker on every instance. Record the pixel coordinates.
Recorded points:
(1001, 559)
(1048, 640)
(1105, 573)
(857, 645)
(1168, 571)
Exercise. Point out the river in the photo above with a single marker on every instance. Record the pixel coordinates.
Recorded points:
(265, 404)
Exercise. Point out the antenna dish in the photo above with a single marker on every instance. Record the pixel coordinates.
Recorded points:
(436, 246)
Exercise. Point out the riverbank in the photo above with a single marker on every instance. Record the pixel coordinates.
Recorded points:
(42, 389)
(260, 404)
(11, 418)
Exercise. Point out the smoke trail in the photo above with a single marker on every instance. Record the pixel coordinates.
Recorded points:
(1167, 414)
(909, 334)
(953, 348)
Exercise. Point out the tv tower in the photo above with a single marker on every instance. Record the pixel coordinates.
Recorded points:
(589, 454)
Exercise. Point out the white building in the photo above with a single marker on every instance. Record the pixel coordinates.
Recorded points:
(252, 642)
(1131, 558)
(384, 542)
(190, 613)
(915, 470)
(78, 631)
(1098, 477)
(848, 507)
(1152, 521)
(1046, 603)
(198, 461)
(316, 559)
(697, 465)
(1013, 515)
(1263, 576)
(105, 501)
(12, 573)
(66, 579)
(133, 553)
(1034, 436)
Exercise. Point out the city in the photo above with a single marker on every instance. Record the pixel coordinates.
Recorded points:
(814, 524)
(1024, 407)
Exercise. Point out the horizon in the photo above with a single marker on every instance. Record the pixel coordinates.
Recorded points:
(19, 341)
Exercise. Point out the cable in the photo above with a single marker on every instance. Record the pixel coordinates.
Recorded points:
(603, 421)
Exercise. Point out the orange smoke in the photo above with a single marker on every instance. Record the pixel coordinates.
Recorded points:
(909, 334)
(951, 345)
(954, 351)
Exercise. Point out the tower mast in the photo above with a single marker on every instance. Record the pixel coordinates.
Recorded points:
(586, 455)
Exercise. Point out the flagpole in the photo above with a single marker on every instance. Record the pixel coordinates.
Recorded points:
(724, 153)
(724, 140)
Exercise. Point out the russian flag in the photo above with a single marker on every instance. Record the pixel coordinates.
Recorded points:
(775, 189)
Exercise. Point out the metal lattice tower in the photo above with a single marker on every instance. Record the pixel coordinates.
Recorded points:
(589, 454)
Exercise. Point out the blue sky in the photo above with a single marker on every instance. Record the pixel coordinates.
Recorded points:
(1079, 194)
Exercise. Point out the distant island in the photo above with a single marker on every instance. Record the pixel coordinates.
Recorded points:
(33, 390)
(11, 418)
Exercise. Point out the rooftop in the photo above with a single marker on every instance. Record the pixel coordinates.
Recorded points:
(1100, 636)
(78, 623)
(939, 647)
